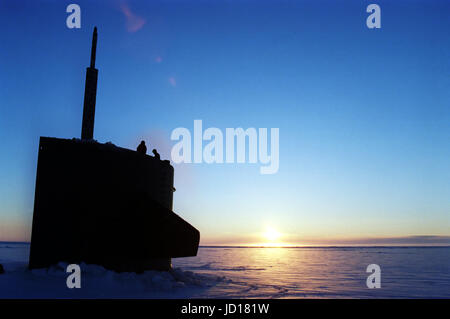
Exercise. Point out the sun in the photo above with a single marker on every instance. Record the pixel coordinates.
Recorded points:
(271, 234)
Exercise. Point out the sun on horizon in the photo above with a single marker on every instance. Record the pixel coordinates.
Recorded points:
(271, 235)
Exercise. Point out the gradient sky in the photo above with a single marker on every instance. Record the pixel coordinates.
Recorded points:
(363, 114)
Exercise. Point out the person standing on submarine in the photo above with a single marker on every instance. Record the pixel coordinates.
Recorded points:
(142, 148)
(155, 152)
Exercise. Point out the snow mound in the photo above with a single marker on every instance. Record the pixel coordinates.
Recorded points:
(98, 282)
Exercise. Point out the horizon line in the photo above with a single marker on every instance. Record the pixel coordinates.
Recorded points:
(302, 246)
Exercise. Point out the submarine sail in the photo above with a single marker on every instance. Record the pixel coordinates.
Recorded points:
(102, 204)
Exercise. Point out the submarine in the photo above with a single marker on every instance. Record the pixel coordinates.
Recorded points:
(102, 204)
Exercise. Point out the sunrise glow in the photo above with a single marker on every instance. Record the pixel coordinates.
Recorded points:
(271, 234)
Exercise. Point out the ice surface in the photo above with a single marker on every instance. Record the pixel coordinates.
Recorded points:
(244, 273)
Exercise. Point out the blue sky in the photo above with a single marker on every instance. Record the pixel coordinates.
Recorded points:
(363, 114)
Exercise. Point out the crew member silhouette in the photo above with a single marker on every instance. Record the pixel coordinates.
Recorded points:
(155, 152)
(142, 148)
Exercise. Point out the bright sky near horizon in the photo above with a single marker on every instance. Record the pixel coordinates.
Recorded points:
(363, 114)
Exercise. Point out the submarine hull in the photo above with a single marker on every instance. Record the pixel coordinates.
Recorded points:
(102, 204)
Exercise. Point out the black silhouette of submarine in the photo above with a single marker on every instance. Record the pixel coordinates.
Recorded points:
(106, 205)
